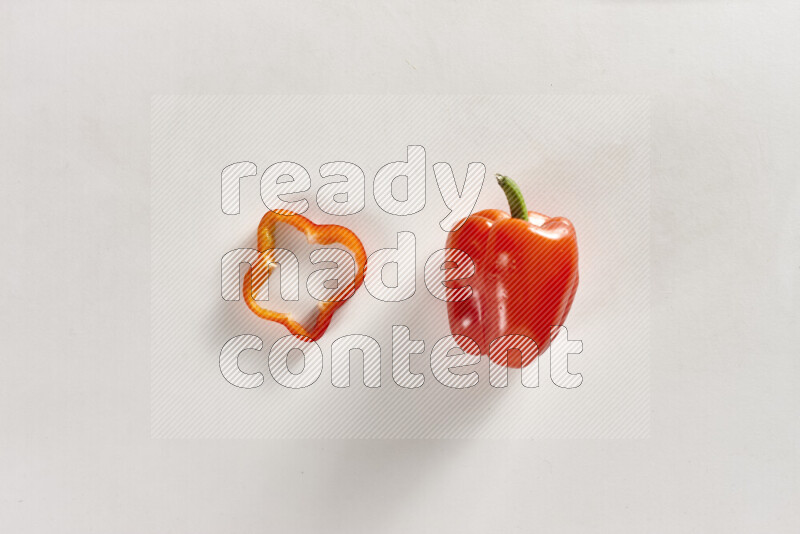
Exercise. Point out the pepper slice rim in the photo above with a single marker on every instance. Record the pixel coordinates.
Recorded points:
(322, 234)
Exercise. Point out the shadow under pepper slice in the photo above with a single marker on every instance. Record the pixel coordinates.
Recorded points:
(261, 269)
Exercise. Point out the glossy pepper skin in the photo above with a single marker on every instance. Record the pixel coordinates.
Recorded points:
(261, 269)
(526, 276)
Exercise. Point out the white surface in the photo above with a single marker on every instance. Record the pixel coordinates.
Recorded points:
(75, 452)
(586, 158)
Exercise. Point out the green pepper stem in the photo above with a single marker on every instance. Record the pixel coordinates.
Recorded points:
(516, 202)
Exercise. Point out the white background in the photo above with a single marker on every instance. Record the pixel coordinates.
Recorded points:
(77, 78)
(586, 158)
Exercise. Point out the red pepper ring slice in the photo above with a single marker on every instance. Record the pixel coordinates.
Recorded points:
(316, 234)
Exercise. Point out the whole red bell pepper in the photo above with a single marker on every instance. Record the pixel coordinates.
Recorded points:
(526, 275)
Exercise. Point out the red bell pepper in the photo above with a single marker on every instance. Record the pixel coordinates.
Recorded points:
(526, 275)
(262, 268)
